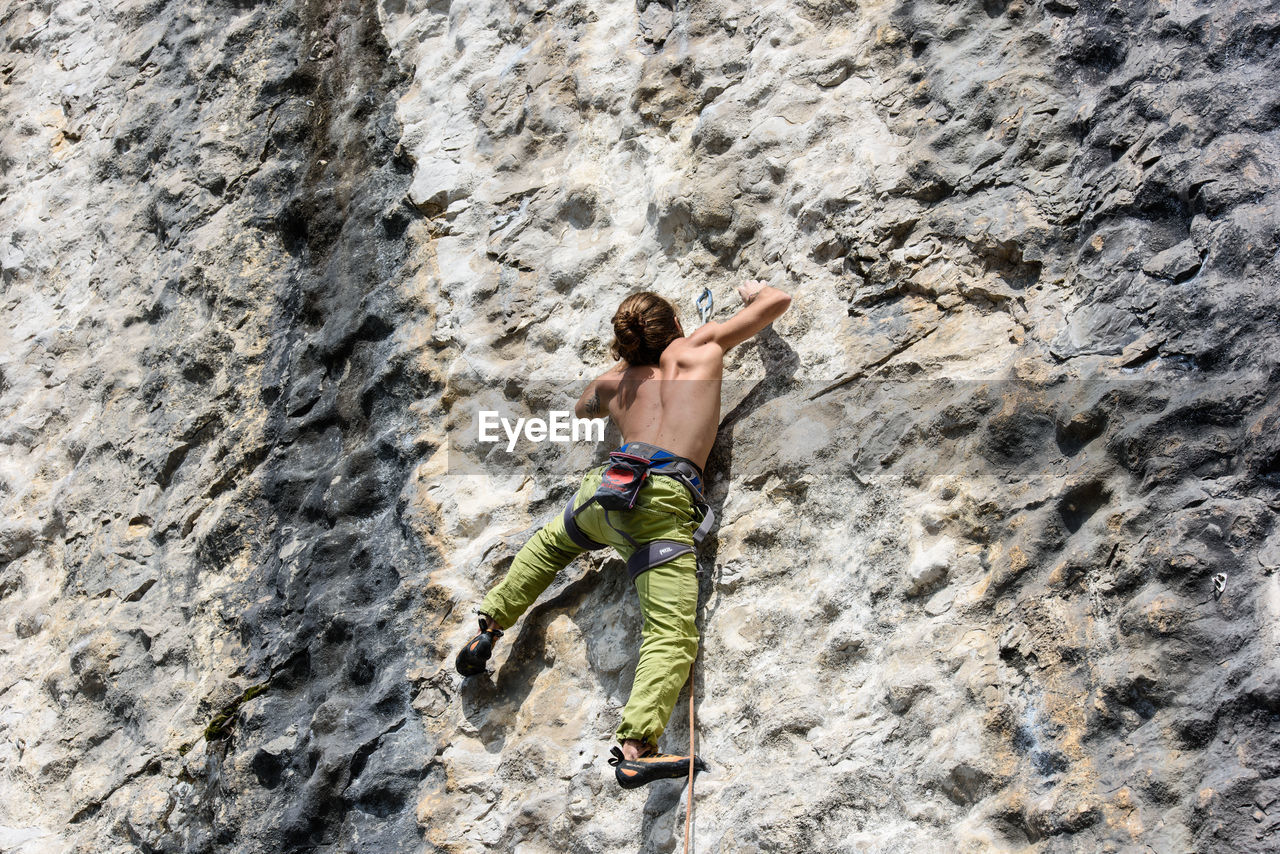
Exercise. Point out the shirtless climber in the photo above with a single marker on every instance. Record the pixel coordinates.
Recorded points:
(664, 395)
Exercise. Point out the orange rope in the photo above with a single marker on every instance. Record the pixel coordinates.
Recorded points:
(688, 810)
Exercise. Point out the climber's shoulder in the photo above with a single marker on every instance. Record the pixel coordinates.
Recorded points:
(699, 348)
(610, 379)
(705, 341)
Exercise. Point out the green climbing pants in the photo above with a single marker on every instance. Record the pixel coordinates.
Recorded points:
(668, 593)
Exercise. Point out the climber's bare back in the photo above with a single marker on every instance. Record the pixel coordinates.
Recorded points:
(676, 403)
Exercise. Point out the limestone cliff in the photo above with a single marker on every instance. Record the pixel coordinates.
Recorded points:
(996, 566)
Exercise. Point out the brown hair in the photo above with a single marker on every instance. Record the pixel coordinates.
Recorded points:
(643, 326)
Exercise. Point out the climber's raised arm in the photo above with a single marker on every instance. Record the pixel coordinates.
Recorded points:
(762, 305)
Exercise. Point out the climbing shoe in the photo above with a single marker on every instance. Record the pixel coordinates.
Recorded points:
(472, 658)
(633, 773)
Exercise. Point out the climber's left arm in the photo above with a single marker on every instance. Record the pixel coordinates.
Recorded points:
(594, 402)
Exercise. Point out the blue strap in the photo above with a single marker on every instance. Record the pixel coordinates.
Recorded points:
(663, 459)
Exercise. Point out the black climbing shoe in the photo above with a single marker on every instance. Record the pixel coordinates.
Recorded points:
(634, 773)
(472, 658)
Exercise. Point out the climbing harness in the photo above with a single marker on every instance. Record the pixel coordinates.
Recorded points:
(706, 304)
(622, 484)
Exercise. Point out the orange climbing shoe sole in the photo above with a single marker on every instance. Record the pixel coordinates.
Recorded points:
(634, 773)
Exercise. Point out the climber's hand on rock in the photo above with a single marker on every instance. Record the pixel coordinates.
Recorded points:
(750, 290)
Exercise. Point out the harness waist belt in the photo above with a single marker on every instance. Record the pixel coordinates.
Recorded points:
(664, 462)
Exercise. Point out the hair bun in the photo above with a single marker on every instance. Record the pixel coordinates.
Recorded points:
(643, 326)
(629, 326)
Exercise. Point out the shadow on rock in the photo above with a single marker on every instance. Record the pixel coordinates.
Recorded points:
(490, 702)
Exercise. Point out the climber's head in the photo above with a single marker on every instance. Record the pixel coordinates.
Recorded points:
(643, 326)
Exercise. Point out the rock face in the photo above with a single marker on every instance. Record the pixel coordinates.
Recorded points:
(997, 560)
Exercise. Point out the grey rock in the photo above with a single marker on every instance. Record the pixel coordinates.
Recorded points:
(1177, 263)
(15, 541)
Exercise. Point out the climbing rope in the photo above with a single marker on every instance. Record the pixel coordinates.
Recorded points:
(688, 810)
